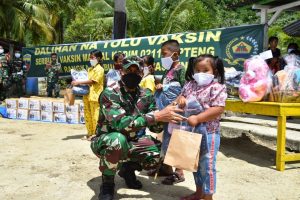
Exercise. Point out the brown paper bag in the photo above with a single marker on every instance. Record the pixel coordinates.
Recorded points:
(184, 150)
(69, 97)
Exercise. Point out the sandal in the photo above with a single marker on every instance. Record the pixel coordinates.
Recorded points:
(88, 137)
(84, 137)
(173, 179)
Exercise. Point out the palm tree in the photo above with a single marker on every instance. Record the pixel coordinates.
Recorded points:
(62, 13)
(20, 17)
(153, 17)
(104, 10)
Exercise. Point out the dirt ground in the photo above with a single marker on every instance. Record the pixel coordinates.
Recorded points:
(49, 161)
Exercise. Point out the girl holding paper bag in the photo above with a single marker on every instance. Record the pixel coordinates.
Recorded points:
(206, 83)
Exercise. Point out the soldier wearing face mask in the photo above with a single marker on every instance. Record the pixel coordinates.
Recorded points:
(125, 109)
(52, 72)
(4, 75)
(18, 74)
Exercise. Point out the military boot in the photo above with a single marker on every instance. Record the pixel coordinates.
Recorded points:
(127, 172)
(107, 188)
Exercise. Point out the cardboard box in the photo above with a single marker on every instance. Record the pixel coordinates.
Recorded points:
(46, 105)
(11, 113)
(22, 114)
(46, 116)
(34, 104)
(59, 107)
(81, 107)
(23, 103)
(59, 117)
(73, 108)
(81, 118)
(11, 103)
(34, 115)
(72, 117)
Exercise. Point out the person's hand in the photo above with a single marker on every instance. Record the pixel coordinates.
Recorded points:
(75, 83)
(169, 114)
(48, 65)
(159, 86)
(181, 102)
(193, 121)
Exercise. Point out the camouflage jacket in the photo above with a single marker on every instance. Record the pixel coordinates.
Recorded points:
(18, 75)
(53, 73)
(4, 75)
(126, 113)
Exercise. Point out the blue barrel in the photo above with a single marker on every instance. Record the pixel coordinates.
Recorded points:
(32, 86)
(3, 112)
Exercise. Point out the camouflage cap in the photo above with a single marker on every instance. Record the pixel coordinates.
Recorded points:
(130, 63)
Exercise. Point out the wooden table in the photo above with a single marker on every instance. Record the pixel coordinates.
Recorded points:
(281, 111)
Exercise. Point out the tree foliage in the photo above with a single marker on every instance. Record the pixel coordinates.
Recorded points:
(86, 27)
(41, 22)
(276, 30)
(19, 17)
(153, 17)
(93, 22)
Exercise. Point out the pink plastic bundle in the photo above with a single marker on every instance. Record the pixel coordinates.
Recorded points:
(257, 80)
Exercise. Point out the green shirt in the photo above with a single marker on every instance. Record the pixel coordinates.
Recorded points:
(53, 73)
(126, 113)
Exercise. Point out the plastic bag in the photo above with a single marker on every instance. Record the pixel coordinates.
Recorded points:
(232, 80)
(165, 97)
(81, 90)
(112, 76)
(256, 82)
(193, 107)
(80, 76)
(286, 82)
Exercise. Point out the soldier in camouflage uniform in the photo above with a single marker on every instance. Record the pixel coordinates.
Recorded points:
(125, 108)
(18, 74)
(52, 73)
(4, 75)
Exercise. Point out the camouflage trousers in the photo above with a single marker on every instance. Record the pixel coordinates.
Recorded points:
(19, 88)
(3, 92)
(53, 86)
(113, 149)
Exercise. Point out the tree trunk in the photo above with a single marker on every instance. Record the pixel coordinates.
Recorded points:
(120, 20)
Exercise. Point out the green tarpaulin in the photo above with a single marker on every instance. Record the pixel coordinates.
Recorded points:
(233, 44)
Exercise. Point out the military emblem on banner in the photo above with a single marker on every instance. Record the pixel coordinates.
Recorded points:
(27, 61)
(239, 49)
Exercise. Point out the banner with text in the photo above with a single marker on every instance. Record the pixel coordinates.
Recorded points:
(233, 44)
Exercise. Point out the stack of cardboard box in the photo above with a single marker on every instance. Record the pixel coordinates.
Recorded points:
(45, 109)
(11, 108)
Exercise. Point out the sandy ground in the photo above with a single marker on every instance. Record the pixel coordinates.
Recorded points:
(49, 161)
